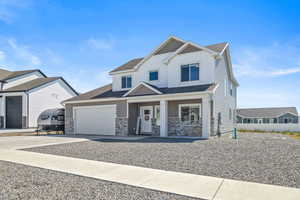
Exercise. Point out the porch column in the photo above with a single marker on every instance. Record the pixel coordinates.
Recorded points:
(163, 118)
(206, 117)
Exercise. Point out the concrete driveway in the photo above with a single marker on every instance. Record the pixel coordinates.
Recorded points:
(21, 142)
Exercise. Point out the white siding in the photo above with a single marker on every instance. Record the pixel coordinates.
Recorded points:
(46, 97)
(22, 79)
(223, 103)
(206, 68)
(170, 74)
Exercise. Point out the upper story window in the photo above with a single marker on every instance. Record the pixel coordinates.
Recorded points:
(126, 82)
(153, 76)
(190, 72)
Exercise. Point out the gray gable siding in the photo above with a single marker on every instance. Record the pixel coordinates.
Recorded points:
(288, 116)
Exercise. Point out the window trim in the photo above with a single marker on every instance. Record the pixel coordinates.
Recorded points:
(190, 105)
(126, 81)
(157, 75)
(190, 75)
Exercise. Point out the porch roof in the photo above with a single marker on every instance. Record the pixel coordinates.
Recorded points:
(196, 88)
(106, 92)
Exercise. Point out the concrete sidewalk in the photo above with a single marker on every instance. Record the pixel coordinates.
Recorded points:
(179, 183)
(22, 142)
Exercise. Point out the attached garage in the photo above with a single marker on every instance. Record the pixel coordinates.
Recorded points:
(95, 120)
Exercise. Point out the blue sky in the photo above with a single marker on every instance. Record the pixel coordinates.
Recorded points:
(83, 40)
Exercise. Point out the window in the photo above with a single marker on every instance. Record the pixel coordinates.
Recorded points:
(189, 113)
(231, 89)
(190, 72)
(287, 120)
(153, 75)
(126, 81)
(157, 114)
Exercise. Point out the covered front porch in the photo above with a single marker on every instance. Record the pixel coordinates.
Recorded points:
(165, 117)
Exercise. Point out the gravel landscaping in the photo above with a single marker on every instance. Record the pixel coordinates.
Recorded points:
(24, 182)
(256, 157)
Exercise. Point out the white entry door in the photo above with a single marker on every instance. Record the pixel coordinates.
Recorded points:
(146, 119)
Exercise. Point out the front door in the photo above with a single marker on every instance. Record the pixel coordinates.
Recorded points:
(146, 119)
(13, 111)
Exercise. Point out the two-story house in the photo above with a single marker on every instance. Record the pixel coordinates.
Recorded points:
(25, 94)
(179, 89)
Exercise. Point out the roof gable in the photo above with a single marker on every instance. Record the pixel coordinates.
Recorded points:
(36, 83)
(172, 44)
(129, 65)
(6, 75)
(142, 89)
(220, 47)
(190, 48)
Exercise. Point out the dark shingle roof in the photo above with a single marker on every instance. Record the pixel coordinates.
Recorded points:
(171, 46)
(106, 92)
(266, 112)
(91, 94)
(30, 84)
(129, 65)
(217, 47)
(5, 74)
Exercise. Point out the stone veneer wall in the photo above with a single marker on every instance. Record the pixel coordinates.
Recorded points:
(176, 128)
(69, 123)
(122, 126)
(155, 128)
(212, 127)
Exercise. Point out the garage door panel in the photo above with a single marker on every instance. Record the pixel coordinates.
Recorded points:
(99, 120)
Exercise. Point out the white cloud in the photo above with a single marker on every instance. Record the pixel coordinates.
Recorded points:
(23, 53)
(285, 71)
(2, 56)
(100, 43)
(267, 61)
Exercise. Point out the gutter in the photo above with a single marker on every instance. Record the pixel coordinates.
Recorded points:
(141, 97)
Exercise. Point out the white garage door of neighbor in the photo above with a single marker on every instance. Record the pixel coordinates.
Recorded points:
(95, 120)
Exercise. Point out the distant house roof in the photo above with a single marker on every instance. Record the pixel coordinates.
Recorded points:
(6, 75)
(106, 92)
(34, 84)
(266, 112)
(172, 45)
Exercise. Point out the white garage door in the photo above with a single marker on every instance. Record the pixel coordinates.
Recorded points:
(96, 120)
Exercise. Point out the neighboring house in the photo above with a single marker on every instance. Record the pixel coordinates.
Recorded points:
(25, 94)
(180, 89)
(280, 115)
